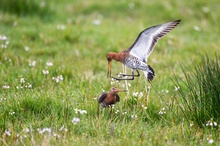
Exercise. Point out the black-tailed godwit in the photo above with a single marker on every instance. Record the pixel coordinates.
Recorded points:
(135, 57)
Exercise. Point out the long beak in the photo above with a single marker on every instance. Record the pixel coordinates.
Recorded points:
(121, 90)
(109, 69)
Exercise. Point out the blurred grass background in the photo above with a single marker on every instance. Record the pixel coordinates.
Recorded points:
(75, 36)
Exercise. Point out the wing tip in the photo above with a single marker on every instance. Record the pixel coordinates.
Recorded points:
(177, 21)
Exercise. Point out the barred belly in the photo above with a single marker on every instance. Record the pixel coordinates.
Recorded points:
(135, 63)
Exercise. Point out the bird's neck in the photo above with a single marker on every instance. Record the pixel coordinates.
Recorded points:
(117, 56)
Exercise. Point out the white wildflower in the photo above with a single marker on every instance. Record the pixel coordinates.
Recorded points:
(26, 48)
(196, 28)
(32, 63)
(75, 120)
(8, 133)
(58, 78)
(141, 94)
(11, 113)
(144, 107)
(44, 130)
(210, 141)
(133, 116)
(117, 111)
(5, 87)
(27, 130)
(124, 113)
(49, 64)
(162, 111)
(1, 99)
(96, 22)
(83, 112)
(177, 88)
(211, 123)
(135, 94)
(22, 80)
(45, 72)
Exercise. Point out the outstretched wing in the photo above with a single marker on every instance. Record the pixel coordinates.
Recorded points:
(147, 39)
(102, 97)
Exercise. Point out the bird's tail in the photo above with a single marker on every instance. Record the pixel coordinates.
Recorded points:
(149, 74)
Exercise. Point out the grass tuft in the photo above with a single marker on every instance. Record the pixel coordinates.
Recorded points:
(200, 92)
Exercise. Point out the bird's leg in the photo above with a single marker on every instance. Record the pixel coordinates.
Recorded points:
(137, 75)
(110, 109)
(132, 76)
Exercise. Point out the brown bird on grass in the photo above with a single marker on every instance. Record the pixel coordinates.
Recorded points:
(108, 99)
(135, 57)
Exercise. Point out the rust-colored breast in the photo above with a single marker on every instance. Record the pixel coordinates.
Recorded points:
(110, 99)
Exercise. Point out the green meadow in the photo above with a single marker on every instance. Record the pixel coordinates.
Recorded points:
(53, 67)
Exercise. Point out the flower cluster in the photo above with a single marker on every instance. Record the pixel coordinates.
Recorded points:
(196, 28)
(176, 88)
(113, 81)
(144, 107)
(4, 42)
(2, 99)
(7, 132)
(162, 111)
(24, 84)
(49, 63)
(75, 120)
(122, 112)
(136, 94)
(165, 91)
(26, 48)
(45, 72)
(80, 111)
(5, 87)
(58, 78)
(32, 63)
(11, 113)
(134, 116)
(211, 123)
(210, 140)
(44, 130)
(26, 132)
(117, 111)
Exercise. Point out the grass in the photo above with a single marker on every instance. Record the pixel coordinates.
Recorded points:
(201, 100)
(53, 67)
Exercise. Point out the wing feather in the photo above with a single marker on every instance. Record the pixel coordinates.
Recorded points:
(147, 39)
(102, 97)
(117, 97)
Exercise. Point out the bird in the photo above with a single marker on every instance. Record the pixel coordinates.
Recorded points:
(135, 57)
(108, 99)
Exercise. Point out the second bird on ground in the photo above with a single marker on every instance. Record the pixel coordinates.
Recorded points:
(108, 99)
(136, 56)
